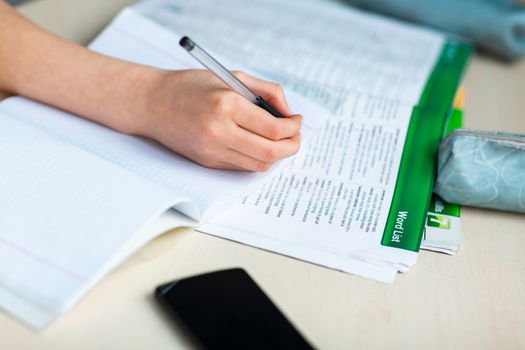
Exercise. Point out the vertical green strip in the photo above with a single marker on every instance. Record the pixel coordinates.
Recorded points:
(437, 204)
(415, 180)
(444, 80)
(455, 121)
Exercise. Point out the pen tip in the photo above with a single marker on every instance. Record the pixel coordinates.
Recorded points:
(186, 43)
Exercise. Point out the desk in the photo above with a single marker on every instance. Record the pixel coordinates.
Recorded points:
(475, 299)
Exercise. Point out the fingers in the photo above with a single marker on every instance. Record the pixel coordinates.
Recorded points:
(259, 121)
(262, 149)
(233, 147)
(241, 149)
(264, 124)
(223, 130)
(258, 138)
(273, 93)
(239, 161)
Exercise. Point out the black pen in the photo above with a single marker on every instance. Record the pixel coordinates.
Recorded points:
(225, 75)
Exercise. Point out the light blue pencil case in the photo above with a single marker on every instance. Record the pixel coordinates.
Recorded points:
(483, 169)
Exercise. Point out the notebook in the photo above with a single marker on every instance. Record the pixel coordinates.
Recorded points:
(79, 197)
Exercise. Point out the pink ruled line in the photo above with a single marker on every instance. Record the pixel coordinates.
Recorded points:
(41, 260)
(147, 44)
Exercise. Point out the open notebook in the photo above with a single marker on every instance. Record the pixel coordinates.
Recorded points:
(78, 198)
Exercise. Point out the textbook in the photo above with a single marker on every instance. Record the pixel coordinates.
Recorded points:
(78, 198)
(357, 199)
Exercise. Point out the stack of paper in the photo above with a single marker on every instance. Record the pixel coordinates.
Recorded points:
(332, 205)
(442, 229)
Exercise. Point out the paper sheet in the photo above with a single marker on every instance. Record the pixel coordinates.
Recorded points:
(54, 243)
(38, 316)
(321, 49)
(336, 196)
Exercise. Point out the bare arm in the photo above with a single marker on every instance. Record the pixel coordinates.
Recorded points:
(190, 112)
(40, 65)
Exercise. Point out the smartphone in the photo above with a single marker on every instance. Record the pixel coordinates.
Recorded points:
(227, 310)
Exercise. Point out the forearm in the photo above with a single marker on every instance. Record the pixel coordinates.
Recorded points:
(42, 66)
(190, 112)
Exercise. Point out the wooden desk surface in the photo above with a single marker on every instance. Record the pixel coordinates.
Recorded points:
(475, 299)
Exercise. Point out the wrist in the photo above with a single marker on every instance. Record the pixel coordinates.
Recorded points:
(141, 101)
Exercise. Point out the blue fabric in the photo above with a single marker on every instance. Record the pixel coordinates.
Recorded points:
(495, 25)
(483, 169)
(16, 2)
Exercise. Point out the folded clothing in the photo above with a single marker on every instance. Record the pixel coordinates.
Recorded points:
(483, 169)
(495, 25)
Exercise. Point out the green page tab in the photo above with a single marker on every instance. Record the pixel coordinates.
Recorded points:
(415, 180)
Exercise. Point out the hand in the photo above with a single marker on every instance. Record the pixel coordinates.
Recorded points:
(193, 113)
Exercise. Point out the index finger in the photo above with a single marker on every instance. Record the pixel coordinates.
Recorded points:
(273, 93)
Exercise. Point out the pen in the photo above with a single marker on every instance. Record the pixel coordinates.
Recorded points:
(225, 75)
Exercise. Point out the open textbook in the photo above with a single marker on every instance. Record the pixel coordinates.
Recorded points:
(79, 198)
(363, 186)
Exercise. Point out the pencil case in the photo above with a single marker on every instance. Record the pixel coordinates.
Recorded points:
(482, 169)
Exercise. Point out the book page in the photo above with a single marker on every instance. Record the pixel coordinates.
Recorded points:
(368, 72)
(336, 195)
(209, 191)
(321, 49)
(63, 225)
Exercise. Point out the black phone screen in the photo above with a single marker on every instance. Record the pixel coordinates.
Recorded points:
(227, 310)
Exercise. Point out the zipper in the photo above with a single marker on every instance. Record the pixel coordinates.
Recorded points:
(499, 136)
